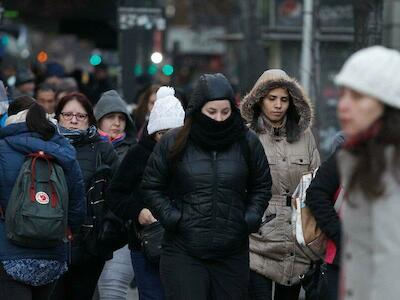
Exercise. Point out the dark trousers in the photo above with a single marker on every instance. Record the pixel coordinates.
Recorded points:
(185, 277)
(79, 283)
(332, 273)
(260, 288)
(15, 290)
(147, 277)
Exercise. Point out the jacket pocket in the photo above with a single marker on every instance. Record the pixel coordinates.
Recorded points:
(269, 221)
(300, 162)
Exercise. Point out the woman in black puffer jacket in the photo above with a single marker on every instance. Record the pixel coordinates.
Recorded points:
(209, 184)
(77, 123)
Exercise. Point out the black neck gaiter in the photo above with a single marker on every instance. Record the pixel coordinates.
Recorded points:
(213, 135)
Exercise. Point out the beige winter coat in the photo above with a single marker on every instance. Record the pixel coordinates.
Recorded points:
(273, 251)
(371, 237)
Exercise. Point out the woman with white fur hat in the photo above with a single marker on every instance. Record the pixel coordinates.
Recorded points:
(369, 114)
(126, 195)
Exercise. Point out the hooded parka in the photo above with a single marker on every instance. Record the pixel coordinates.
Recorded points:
(273, 251)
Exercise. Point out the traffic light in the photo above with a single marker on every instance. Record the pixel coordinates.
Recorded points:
(95, 59)
(42, 57)
(152, 70)
(5, 40)
(138, 70)
(168, 70)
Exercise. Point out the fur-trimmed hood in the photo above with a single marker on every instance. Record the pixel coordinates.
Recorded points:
(271, 79)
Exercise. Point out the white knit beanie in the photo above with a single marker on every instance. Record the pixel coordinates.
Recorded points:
(167, 111)
(373, 71)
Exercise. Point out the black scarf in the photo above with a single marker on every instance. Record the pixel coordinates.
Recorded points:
(213, 135)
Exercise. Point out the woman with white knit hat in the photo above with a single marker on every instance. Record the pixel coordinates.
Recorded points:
(369, 113)
(126, 195)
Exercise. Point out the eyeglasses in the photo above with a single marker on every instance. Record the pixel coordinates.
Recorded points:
(69, 115)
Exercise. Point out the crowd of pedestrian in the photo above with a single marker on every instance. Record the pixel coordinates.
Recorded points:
(192, 198)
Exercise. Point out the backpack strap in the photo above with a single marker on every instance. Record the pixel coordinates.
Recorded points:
(32, 190)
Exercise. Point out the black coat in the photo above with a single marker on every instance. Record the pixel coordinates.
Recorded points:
(211, 201)
(320, 200)
(91, 151)
(125, 195)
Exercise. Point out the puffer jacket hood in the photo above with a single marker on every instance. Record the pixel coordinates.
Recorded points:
(111, 102)
(210, 87)
(271, 79)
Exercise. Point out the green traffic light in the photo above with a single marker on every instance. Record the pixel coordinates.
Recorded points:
(152, 70)
(5, 40)
(138, 70)
(168, 70)
(95, 60)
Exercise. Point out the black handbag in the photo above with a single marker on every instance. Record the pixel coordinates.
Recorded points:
(150, 238)
(315, 282)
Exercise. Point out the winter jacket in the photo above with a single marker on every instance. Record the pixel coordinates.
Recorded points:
(91, 151)
(371, 236)
(209, 201)
(111, 102)
(125, 196)
(273, 250)
(320, 199)
(15, 142)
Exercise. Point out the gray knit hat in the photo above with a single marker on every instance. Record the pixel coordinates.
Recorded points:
(111, 102)
(373, 71)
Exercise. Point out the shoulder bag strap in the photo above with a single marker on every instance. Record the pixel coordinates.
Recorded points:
(340, 199)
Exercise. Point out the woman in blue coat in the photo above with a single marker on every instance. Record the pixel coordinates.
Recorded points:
(27, 273)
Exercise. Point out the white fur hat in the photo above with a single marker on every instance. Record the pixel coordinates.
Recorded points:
(167, 111)
(373, 71)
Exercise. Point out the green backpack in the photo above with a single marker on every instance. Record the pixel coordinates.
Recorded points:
(36, 215)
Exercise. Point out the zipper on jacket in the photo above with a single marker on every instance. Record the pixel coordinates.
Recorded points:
(215, 188)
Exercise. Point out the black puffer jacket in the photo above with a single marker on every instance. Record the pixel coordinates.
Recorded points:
(211, 201)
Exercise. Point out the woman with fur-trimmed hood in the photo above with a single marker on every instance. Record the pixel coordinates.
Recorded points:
(278, 110)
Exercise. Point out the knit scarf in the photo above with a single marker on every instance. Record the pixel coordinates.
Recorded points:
(114, 141)
(213, 135)
(75, 135)
(363, 137)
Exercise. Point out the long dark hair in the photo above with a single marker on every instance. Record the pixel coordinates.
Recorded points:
(292, 122)
(141, 110)
(371, 161)
(180, 142)
(36, 121)
(83, 100)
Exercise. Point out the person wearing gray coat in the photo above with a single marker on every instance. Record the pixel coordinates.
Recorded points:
(369, 164)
